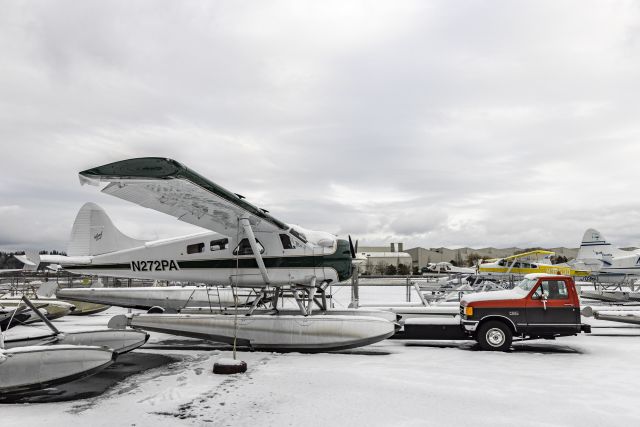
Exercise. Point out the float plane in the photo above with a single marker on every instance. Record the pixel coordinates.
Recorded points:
(610, 267)
(605, 261)
(537, 261)
(244, 247)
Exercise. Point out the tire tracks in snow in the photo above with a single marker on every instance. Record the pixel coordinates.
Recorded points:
(219, 406)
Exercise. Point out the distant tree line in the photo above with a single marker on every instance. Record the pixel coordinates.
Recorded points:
(384, 269)
(8, 261)
(472, 259)
(53, 252)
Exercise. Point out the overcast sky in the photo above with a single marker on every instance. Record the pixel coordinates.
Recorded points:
(434, 123)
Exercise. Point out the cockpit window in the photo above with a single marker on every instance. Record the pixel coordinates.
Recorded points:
(298, 235)
(286, 241)
(244, 248)
(218, 245)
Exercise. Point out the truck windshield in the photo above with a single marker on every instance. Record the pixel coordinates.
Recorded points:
(527, 284)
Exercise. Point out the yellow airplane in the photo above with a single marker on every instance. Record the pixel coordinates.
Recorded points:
(537, 261)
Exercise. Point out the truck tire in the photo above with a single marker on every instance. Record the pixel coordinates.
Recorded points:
(494, 336)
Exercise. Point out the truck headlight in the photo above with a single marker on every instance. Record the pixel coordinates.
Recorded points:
(468, 311)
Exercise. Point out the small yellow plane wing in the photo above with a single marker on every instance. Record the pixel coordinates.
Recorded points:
(530, 253)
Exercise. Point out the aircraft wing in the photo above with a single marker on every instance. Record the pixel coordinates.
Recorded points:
(526, 254)
(167, 186)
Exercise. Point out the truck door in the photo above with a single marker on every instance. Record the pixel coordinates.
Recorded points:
(557, 314)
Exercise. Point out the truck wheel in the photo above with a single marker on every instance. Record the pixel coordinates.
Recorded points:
(494, 336)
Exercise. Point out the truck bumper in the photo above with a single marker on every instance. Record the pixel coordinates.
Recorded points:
(470, 325)
(585, 328)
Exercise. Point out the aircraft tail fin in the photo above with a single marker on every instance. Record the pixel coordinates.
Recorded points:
(47, 289)
(30, 260)
(594, 246)
(93, 233)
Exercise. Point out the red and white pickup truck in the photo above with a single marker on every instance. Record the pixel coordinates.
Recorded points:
(540, 306)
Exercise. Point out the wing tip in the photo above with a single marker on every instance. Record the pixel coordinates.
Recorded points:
(141, 167)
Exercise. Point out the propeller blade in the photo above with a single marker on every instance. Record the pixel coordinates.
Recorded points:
(356, 249)
(353, 251)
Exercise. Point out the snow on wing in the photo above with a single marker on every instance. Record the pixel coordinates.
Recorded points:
(167, 186)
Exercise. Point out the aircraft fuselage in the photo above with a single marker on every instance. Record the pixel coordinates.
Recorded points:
(216, 259)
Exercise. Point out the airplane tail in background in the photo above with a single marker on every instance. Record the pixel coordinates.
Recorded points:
(47, 289)
(595, 246)
(32, 255)
(30, 259)
(93, 233)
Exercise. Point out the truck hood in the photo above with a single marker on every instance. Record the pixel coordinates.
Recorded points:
(506, 294)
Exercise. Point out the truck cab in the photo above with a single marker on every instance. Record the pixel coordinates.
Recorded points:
(540, 306)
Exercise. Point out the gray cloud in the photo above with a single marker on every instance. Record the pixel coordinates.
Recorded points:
(497, 123)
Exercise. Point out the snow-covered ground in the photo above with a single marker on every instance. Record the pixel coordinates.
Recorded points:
(588, 380)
